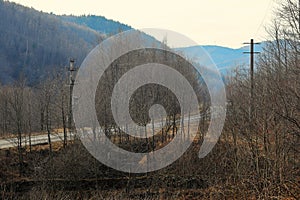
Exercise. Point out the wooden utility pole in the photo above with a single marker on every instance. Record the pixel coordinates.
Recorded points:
(252, 52)
(251, 108)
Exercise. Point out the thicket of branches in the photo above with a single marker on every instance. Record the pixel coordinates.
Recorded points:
(257, 158)
(269, 153)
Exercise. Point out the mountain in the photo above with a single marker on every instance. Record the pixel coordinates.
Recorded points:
(33, 43)
(97, 23)
(224, 58)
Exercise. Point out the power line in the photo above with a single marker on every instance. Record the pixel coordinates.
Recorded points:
(265, 15)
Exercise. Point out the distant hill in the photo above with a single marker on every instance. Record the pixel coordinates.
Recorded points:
(224, 58)
(33, 43)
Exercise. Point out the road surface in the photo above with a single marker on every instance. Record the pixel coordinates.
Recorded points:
(41, 139)
(37, 139)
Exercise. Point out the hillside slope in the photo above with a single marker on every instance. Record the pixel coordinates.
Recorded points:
(33, 43)
(97, 23)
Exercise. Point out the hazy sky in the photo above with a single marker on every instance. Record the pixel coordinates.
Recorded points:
(216, 22)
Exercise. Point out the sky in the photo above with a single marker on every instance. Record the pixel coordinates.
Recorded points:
(227, 23)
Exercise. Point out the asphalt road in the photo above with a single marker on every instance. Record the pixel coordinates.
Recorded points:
(40, 139)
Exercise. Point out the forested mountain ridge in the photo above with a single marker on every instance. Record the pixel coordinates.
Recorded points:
(34, 43)
(97, 23)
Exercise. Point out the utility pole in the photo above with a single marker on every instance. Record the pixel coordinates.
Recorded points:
(252, 52)
(71, 84)
(251, 108)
